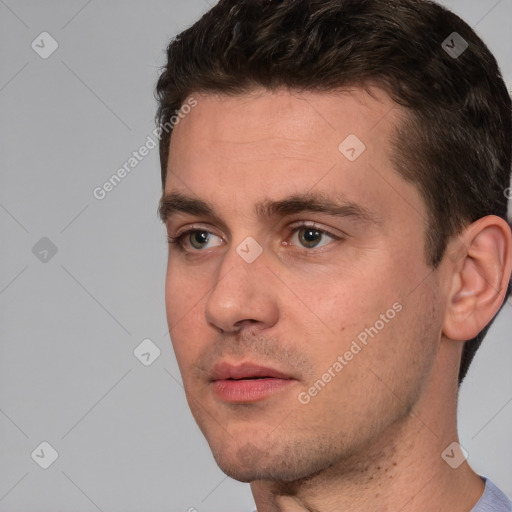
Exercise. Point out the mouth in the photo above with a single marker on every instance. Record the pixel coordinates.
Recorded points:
(245, 371)
(247, 382)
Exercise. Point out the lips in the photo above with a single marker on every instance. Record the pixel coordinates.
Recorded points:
(247, 383)
(226, 371)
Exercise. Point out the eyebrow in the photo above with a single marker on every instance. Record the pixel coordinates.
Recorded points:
(176, 202)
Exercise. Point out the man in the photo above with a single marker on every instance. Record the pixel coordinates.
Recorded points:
(334, 193)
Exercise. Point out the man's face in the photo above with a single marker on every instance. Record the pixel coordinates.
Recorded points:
(258, 324)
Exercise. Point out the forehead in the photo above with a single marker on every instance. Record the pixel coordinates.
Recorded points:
(287, 119)
(281, 134)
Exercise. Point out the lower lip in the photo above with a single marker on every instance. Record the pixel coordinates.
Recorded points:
(248, 390)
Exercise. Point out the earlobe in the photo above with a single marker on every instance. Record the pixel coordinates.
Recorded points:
(479, 277)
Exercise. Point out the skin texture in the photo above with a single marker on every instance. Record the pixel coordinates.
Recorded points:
(372, 438)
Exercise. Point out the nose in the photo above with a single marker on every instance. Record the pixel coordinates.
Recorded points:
(244, 293)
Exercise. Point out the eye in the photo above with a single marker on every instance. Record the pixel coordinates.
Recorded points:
(311, 237)
(198, 239)
(307, 235)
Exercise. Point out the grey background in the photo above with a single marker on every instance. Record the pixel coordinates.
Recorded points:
(69, 325)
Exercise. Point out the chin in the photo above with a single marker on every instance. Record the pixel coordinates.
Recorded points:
(248, 463)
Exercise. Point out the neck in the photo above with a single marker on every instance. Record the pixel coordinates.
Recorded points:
(402, 469)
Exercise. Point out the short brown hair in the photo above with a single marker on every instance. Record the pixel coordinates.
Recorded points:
(455, 144)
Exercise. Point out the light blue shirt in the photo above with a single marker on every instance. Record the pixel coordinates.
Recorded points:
(492, 500)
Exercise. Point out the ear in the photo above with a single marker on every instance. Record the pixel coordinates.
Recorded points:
(480, 274)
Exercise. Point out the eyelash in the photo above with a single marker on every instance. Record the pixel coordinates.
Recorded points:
(178, 240)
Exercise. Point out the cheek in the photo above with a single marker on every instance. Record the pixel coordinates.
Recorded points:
(184, 289)
(347, 300)
(365, 314)
(175, 302)
(184, 309)
(382, 369)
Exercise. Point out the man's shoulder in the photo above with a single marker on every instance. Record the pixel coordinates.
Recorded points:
(492, 500)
